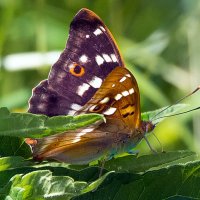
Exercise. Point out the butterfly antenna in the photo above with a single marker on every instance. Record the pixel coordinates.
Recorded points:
(191, 93)
(187, 111)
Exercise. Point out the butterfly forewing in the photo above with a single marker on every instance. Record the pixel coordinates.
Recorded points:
(118, 98)
(90, 55)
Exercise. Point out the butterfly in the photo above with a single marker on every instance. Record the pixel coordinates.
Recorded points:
(89, 77)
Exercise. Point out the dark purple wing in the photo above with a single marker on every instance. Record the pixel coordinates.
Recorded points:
(91, 47)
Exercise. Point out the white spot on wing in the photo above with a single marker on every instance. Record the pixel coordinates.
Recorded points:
(118, 97)
(113, 57)
(44, 97)
(106, 57)
(62, 74)
(87, 36)
(71, 112)
(81, 133)
(41, 107)
(131, 91)
(128, 75)
(99, 60)
(75, 106)
(125, 93)
(77, 139)
(110, 111)
(95, 82)
(102, 28)
(113, 85)
(92, 108)
(122, 79)
(105, 100)
(97, 31)
(83, 58)
(82, 89)
(84, 131)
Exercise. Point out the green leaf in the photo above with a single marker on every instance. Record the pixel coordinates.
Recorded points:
(14, 146)
(37, 126)
(42, 185)
(166, 182)
(178, 181)
(134, 164)
(13, 162)
(95, 184)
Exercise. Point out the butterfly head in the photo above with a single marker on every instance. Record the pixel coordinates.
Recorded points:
(147, 126)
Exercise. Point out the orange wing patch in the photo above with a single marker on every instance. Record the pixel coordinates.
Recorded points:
(118, 98)
(76, 70)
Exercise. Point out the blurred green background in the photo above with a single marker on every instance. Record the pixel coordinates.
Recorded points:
(160, 42)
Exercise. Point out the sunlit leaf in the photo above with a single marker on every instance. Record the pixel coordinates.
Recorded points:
(36, 126)
(42, 185)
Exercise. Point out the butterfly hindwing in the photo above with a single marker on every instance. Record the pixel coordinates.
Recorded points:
(90, 55)
(76, 147)
(83, 145)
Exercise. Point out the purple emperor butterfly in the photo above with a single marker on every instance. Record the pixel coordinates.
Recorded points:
(89, 77)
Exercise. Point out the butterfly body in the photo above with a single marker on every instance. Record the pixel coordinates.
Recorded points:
(89, 77)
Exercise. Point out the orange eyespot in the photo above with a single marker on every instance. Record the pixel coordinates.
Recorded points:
(77, 70)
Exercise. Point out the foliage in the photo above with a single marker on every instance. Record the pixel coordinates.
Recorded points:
(125, 175)
(36, 126)
(24, 181)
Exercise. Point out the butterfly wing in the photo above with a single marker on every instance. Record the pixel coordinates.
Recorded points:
(118, 99)
(90, 55)
(88, 78)
(77, 147)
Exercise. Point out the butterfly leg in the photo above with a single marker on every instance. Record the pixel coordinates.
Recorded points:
(162, 150)
(103, 160)
(152, 149)
(101, 163)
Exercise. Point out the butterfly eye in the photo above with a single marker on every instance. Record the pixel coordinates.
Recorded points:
(77, 70)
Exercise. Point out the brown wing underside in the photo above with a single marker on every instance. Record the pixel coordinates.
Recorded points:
(76, 147)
